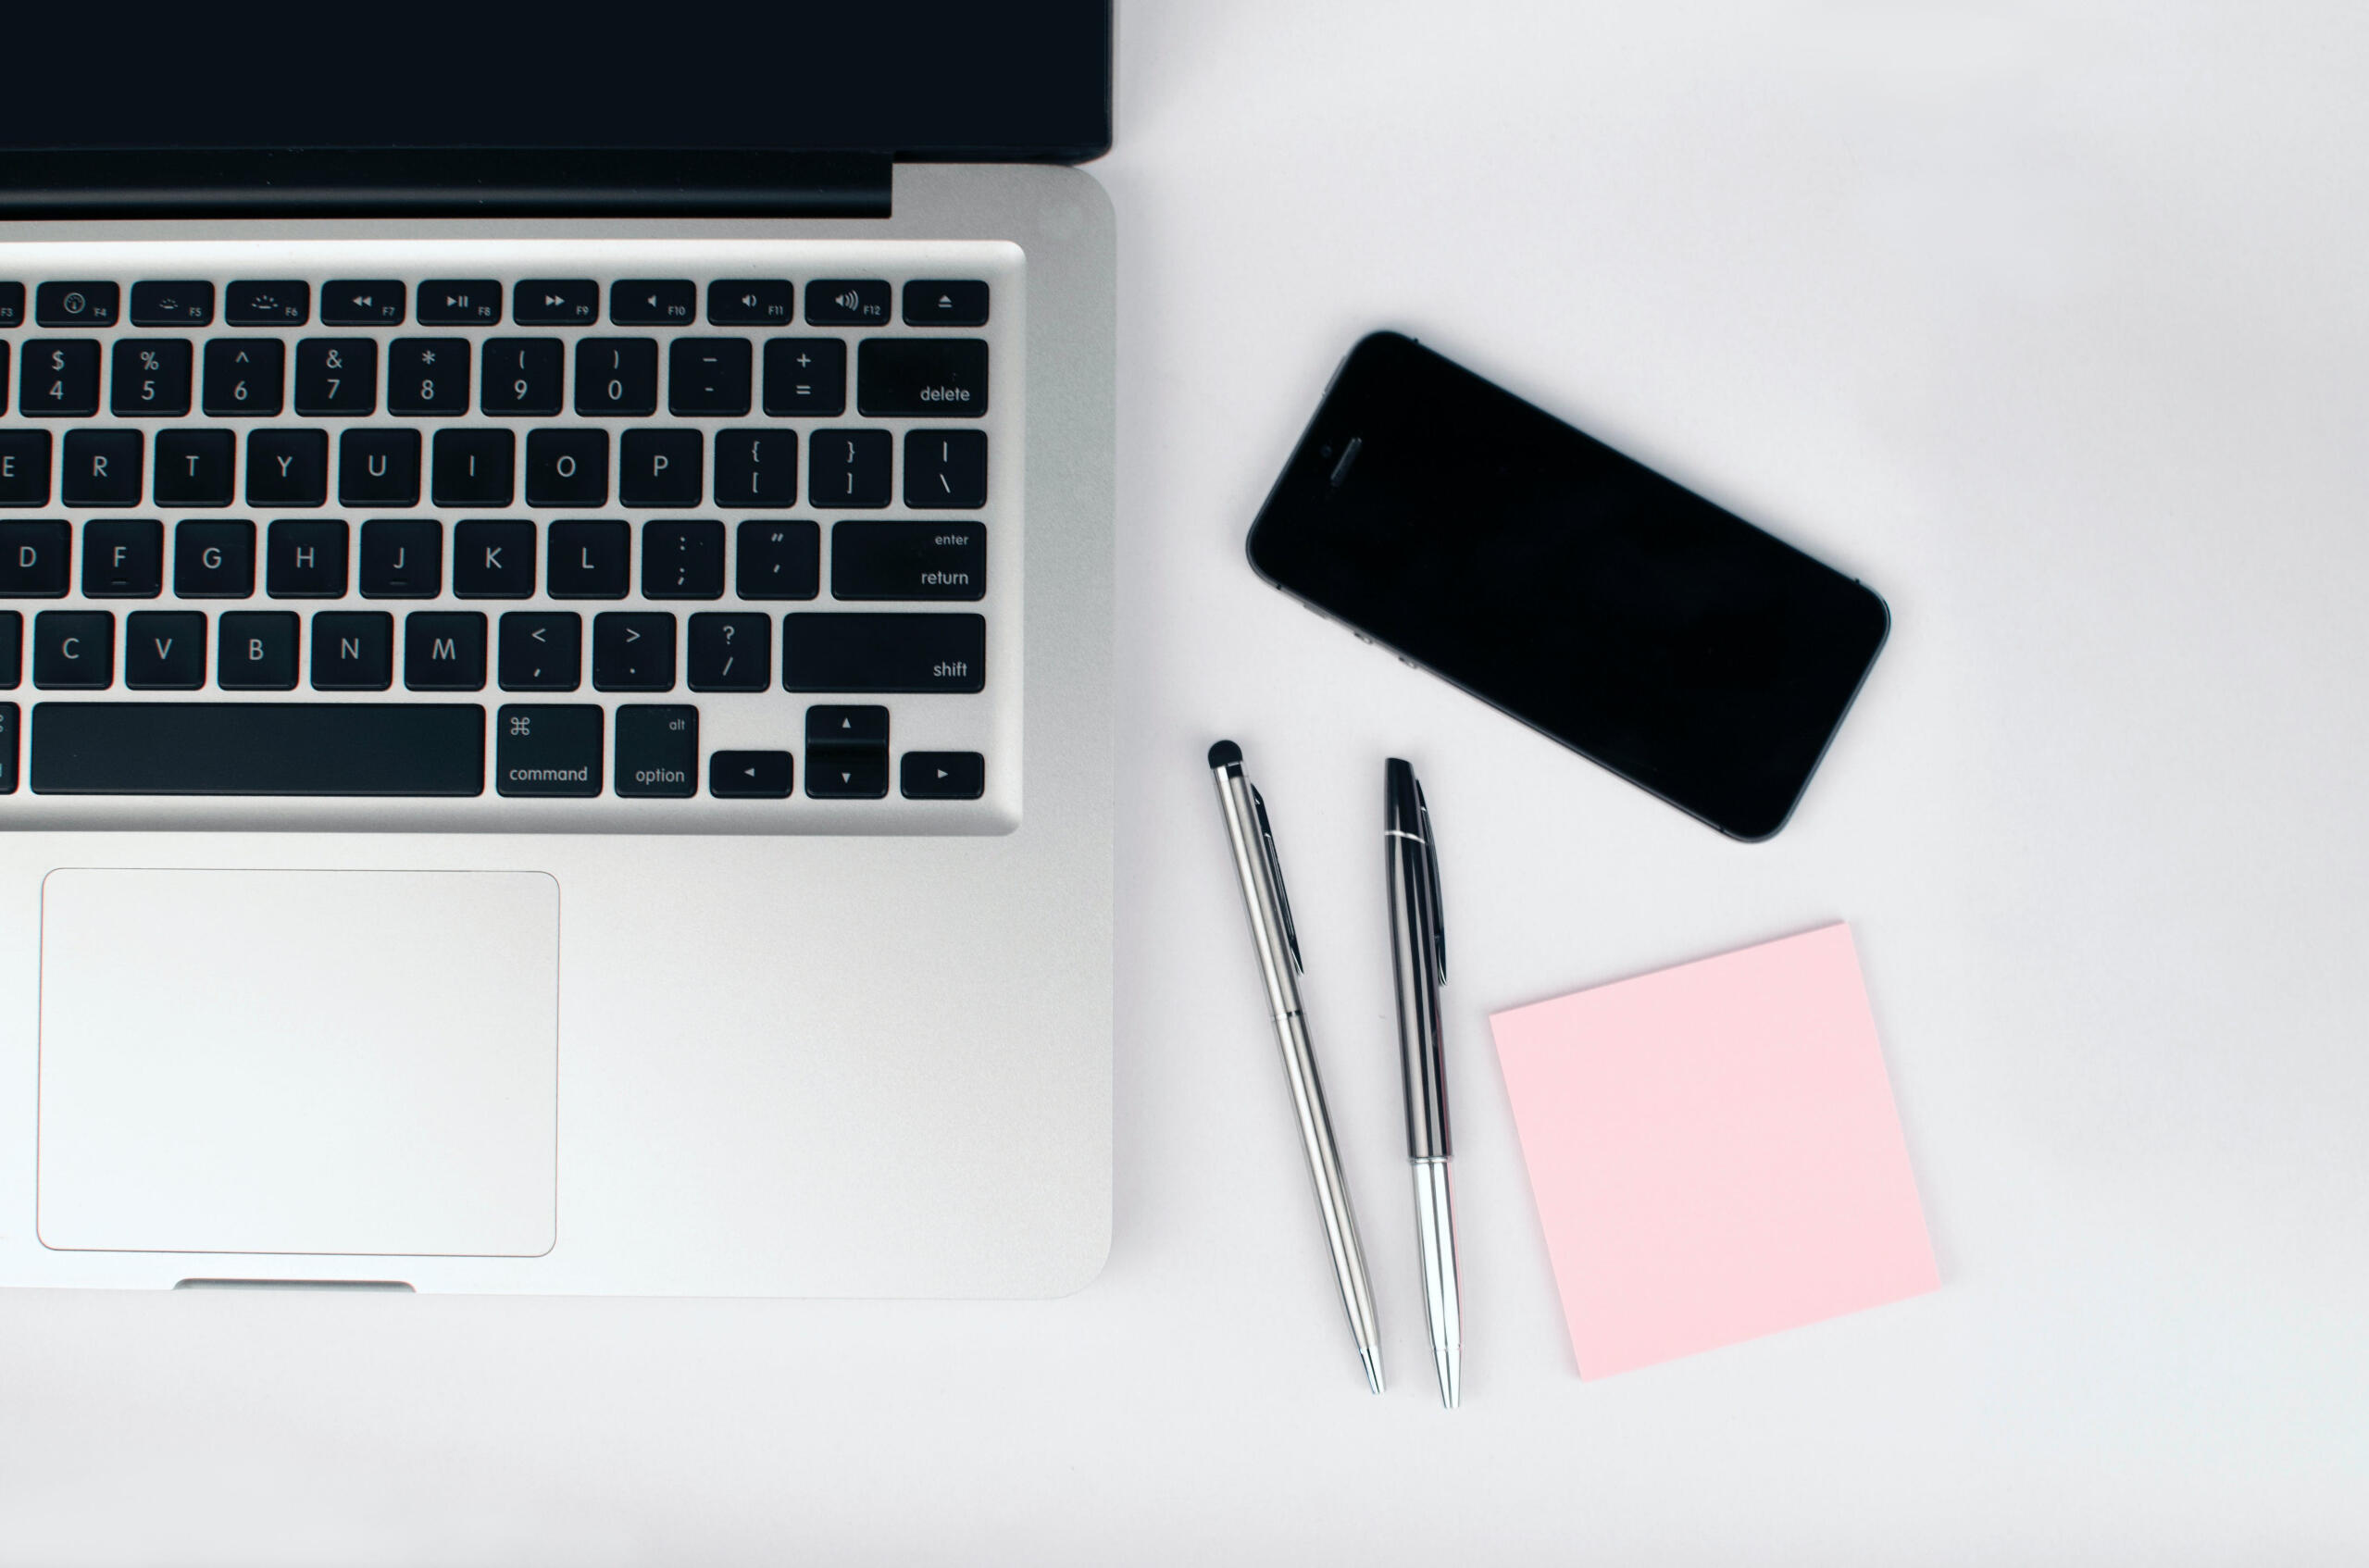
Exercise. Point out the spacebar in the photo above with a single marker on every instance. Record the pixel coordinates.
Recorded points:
(258, 749)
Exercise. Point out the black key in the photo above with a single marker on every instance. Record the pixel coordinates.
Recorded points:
(402, 558)
(522, 375)
(945, 469)
(258, 749)
(847, 773)
(443, 650)
(778, 560)
(848, 468)
(102, 469)
(151, 378)
(24, 468)
(164, 650)
(374, 468)
(616, 375)
(181, 302)
(653, 302)
(34, 558)
(682, 560)
(751, 302)
(806, 375)
(906, 560)
(730, 653)
(76, 305)
(657, 749)
(476, 467)
(749, 776)
(428, 376)
(556, 302)
(214, 559)
(460, 302)
(847, 725)
(567, 467)
(541, 650)
(937, 377)
(305, 559)
(287, 467)
(4, 375)
(361, 302)
(589, 560)
(493, 560)
(633, 652)
(12, 305)
(847, 302)
(8, 722)
(337, 376)
(74, 650)
(243, 377)
(352, 650)
(945, 302)
(942, 775)
(12, 649)
(278, 302)
(757, 467)
(61, 378)
(547, 750)
(708, 376)
(883, 652)
(194, 467)
(661, 468)
(123, 559)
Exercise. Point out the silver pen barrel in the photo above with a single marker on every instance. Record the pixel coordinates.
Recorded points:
(1269, 907)
(1419, 962)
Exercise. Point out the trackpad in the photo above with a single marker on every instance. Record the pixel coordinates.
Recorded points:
(300, 1061)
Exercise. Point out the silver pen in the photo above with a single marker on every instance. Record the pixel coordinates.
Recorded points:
(1278, 956)
(1419, 959)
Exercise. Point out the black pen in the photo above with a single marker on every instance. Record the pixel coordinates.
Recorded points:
(1419, 959)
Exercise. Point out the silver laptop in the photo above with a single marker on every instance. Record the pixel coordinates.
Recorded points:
(555, 664)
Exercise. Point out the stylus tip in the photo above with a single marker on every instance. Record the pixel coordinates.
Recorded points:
(1225, 754)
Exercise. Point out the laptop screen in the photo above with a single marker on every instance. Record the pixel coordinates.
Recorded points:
(923, 80)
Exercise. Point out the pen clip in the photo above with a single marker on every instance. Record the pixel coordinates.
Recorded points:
(1275, 872)
(1439, 911)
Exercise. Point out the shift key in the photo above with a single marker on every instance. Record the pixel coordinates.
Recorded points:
(821, 652)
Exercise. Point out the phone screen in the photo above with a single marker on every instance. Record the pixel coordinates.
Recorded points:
(1568, 585)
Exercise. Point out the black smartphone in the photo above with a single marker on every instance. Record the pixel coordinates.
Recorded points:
(1569, 586)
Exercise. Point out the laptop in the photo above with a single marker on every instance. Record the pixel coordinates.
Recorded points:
(554, 655)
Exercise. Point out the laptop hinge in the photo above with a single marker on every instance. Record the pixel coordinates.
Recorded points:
(432, 183)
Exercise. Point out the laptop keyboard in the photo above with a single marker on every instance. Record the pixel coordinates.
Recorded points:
(614, 536)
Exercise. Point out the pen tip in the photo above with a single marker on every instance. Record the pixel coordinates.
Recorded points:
(1452, 1391)
(1373, 1359)
(1225, 754)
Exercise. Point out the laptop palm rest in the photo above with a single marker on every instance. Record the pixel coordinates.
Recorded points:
(299, 1061)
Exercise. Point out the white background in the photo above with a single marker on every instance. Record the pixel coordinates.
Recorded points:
(2048, 321)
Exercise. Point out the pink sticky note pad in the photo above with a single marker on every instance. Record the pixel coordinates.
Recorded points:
(1715, 1152)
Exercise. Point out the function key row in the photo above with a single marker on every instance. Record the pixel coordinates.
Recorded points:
(477, 301)
(477, 466)
(533, 651)
(403, 558)
(431, 377)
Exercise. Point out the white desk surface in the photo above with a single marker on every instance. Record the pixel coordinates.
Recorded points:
(2048, 322)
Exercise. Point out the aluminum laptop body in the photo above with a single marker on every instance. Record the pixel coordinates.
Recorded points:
(739, 922)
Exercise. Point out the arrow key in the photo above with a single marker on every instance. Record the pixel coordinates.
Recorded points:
(749, 776)
(843, 773)
(943, 776)
(834, 724)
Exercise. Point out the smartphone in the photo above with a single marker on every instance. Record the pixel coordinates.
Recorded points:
(1575, 589)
